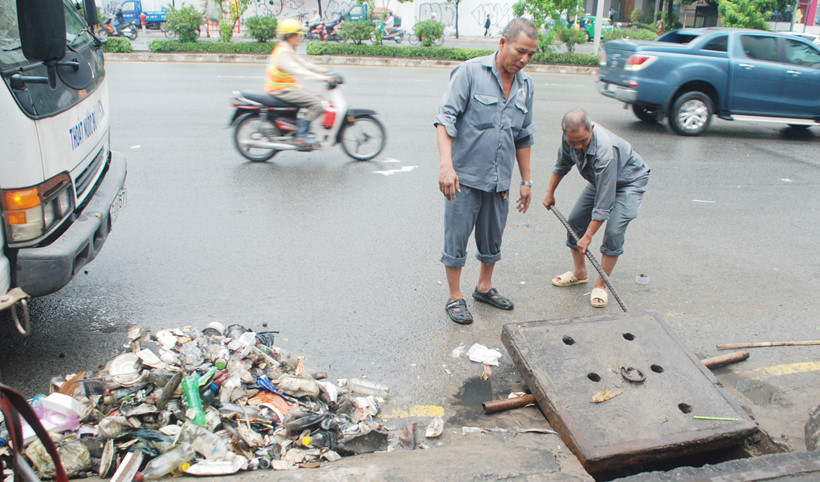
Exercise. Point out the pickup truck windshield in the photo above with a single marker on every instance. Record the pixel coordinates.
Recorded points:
(38, 100)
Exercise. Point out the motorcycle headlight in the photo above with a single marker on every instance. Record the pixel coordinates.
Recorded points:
(32, 212)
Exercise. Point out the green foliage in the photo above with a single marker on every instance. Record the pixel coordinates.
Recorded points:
(443, 53)
(215, 47)
(356, 32)
(633, 33)
(572, 37)
(261, 28)
(638, 16)
(428, 32)
(743, 13)
(225, 31)
(184, 22)
(117, 44)
(541, 10)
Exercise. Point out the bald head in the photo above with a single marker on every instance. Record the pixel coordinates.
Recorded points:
(574, 120)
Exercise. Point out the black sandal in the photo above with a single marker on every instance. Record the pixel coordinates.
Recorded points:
(493, 298)
(458, 312)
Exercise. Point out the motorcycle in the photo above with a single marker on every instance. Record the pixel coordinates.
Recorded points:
(265, 125)
(397, 34)
(324, 32)
(126, 29)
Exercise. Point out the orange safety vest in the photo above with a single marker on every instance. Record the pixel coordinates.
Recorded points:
(275, 78)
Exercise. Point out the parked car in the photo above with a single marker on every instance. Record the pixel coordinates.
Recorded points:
(588, 22)
(689, 75)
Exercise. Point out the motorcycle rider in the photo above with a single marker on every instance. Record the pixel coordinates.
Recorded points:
(283, 64)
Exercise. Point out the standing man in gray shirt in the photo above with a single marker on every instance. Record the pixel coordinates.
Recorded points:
(617, 179)
(484, 124)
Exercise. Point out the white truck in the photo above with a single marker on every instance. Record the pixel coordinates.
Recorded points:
(61, 186)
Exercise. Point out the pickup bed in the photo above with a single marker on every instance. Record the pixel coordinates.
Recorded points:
(689, 75)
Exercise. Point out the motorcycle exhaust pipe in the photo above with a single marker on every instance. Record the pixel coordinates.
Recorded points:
(280, 146)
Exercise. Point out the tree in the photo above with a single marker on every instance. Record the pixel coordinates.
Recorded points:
(547, 17)
(235, 8)
(743, 13)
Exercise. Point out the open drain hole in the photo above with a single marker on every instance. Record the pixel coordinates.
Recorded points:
(656, 368)
(594, 377)
(685, 408)
(568, 340)
(629, 336)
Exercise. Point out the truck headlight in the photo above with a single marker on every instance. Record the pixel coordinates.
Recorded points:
(32, 212)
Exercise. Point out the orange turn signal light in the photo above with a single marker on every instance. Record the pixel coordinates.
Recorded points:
(25, 199)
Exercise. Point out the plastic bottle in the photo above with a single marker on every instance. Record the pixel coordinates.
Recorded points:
(221, 361)
(317, 439)
(190, 387)
(168, 461)
(366, 387)
(205, 442)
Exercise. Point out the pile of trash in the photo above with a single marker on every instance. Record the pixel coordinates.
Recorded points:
(203, 403)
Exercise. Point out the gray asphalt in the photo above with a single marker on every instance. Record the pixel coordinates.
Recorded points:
(342, 256)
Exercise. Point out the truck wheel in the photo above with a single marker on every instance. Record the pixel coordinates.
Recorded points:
(644, 113)
(691, 113)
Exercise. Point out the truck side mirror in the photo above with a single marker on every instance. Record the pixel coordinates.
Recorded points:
(90, 7)
(42, 29)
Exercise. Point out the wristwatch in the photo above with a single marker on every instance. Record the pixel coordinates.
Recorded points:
(526, 183)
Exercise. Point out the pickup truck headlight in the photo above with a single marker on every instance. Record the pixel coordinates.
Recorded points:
(639, 62)
(32, 212)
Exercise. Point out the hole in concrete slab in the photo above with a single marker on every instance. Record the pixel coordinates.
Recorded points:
(629, 336)
(568, 340)
(656, 368)
(685, 408)
(594, 377)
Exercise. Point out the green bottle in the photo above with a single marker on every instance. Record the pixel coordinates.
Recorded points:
(190, 387)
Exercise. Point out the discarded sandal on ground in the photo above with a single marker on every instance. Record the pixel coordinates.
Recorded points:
(493, 298)
(599, 298)
(568, 279)
(458, 312)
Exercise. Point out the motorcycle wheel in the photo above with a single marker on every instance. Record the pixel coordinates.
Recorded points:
(253, 128)
(413, 39)
(131, 33)
(398, 38)
(364, 139)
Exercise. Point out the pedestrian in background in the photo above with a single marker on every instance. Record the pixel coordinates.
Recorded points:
(617, 179)
(487, 26)
(143, 18)
(484, 125)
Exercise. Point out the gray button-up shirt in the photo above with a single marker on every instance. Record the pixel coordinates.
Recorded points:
(486, 127)
(609, 163)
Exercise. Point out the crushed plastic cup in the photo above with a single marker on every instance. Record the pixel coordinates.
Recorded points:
(642, 279)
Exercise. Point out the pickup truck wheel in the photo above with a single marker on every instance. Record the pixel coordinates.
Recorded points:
(691, 114)
(645, 114)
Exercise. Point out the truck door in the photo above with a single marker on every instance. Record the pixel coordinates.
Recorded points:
(756, 76)
(799, 93)
(131, 11)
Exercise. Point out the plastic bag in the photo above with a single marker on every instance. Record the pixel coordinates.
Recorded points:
(74, 456)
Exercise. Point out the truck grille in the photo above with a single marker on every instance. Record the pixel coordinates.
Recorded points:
(85, 178)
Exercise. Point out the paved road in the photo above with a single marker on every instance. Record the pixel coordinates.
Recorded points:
(342, 256)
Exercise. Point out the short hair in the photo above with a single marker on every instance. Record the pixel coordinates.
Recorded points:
(518, 25)
(574, 120)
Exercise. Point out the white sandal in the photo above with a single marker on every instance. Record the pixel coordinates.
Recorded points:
(599, 294)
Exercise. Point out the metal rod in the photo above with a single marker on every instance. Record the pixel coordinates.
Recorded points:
(591, 258)
(765, 344)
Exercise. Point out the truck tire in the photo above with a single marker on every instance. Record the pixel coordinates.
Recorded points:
(644, 113)
(691, 113)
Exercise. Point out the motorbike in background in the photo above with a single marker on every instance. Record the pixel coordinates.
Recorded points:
(126, 29)
(265, 125)
(396, 35)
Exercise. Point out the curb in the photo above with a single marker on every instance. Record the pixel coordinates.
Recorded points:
(327, 60)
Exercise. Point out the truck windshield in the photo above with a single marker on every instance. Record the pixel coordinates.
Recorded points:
(38, 100)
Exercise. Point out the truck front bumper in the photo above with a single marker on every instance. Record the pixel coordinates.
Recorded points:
(46, 269)
(624, 94)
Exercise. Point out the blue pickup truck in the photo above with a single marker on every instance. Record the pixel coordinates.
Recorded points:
(689, 75)
(131, 10)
